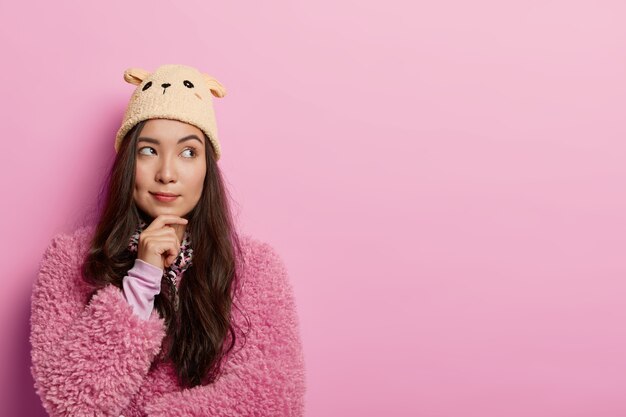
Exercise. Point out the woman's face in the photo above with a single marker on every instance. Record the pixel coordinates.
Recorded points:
(170, 161)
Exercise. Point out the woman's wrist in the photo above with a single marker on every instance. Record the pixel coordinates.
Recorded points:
(147, 267)
(141, 284)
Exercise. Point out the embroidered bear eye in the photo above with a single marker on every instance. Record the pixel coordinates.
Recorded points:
(148, 85)
(188, 84)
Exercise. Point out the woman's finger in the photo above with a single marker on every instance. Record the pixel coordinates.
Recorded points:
(166, 219)
(156, 250)
(165, 232)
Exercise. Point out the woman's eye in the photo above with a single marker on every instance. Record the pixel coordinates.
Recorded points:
(189, 152)
(146, 150)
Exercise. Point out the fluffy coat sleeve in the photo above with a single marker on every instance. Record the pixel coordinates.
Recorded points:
(88, 358)
(266, 376)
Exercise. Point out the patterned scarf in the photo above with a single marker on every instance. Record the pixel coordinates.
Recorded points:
(176, 269)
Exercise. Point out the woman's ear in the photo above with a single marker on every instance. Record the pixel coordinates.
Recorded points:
(217, 89)
(135, 75)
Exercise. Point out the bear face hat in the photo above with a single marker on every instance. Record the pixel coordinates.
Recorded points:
(176, 92)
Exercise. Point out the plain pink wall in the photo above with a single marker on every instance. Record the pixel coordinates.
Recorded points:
(444, 180)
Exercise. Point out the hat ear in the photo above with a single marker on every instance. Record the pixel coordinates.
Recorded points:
(135, 75)
(217, 89)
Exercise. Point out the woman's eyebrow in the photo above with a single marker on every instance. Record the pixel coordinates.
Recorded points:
(156, 142)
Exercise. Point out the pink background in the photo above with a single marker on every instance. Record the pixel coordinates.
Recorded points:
(444, 181)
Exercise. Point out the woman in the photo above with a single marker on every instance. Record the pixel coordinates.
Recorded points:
(161, 309)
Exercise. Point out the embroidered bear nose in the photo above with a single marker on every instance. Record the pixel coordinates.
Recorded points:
(165, 85)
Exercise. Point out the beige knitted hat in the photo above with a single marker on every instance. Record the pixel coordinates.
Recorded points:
(174, 92)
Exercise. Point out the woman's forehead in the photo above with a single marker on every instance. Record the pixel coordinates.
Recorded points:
(169, 130)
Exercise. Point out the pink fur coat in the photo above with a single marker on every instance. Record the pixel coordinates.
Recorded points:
(94, 358)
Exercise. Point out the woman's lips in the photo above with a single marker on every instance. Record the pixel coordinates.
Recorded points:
(166, 198)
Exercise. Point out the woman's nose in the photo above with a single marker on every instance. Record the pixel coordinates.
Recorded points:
(166, 172)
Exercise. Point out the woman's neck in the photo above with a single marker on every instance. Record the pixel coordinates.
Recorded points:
(180, 231)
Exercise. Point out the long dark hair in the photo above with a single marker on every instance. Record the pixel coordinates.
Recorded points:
(200, 333)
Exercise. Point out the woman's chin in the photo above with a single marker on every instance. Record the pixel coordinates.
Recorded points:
(168, 212)
(153, 214)
(154, 211)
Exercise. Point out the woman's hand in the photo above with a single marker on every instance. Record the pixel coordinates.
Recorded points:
(158, 243)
